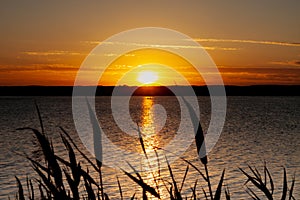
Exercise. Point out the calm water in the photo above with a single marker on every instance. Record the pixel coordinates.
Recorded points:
(257, 129)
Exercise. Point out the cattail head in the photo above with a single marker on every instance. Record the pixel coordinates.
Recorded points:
(97, 135)
(199, 136)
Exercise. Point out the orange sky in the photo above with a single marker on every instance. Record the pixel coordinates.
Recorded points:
(251, 42)
(162, 63)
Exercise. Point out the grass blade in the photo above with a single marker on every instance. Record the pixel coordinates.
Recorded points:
(97, 134)
(81, 153)
(257, 184)
(284, 189)
(73, 162)
(252, 194)
(227, 193)
(208, 181)
(292, 188)
(97, 137)
(138, 175)
(194, 190)
(144, 194)
(191, 164)
(89, 190)
(199, 137)
(72, 185)
(49, 156)
(81, 171)
(177, 193)
(48, 183)
(171, 193)
(141, 140)
(205, 195)
(270, 179)
(40, 117)
(106, 196)
(21, 191)
(120, 189)
(144, 185)
(184, 177)
(219, 188)
(132, 198)
(30, 187)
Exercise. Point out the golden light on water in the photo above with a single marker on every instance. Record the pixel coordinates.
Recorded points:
(148, 125)
(151, 142)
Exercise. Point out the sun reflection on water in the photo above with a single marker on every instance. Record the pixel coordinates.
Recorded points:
(149, 129)
(148, 126)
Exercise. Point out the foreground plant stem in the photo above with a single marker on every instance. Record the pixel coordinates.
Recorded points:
(208, 181)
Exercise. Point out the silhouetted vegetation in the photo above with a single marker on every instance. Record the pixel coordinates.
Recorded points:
(61, 178)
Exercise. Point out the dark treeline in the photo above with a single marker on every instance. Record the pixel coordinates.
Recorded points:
(256, 90)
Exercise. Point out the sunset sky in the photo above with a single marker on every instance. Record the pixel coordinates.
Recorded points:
(251, 42)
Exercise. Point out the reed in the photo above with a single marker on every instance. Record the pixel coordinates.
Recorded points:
(97, 138)
(265, 184)
(61, 178)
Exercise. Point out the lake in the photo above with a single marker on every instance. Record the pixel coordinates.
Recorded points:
(256, 129)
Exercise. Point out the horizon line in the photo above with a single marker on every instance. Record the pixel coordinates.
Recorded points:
(146, 85)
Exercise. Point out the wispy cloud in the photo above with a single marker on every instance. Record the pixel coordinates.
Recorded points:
(263, 75)
(145, 45)
(262, 42)
(110, 54)
(51, 53)
(292, 44)
(113, 54)
(91, 42)
(221, 48)
(38, 67)
(287, 63)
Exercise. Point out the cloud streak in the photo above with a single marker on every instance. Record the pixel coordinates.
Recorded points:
(291, 44)
(51, 53)
(287, 63)
(212, 40)
(145, 45)
(38, 67)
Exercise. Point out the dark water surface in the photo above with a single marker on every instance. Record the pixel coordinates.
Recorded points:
(257, 129)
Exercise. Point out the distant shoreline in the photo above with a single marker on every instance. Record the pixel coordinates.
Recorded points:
(254, 90)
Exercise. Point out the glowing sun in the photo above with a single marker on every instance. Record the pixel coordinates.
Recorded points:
(147, 77)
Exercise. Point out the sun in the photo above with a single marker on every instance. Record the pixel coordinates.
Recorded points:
(147, 77)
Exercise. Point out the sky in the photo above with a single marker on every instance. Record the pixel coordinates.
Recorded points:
(251, 42)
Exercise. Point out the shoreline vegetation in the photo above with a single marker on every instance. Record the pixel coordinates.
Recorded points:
(60, 178)
(254, 90)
